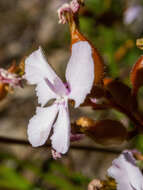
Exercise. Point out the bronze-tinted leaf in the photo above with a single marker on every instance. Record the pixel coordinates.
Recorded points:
(138, 155)
(97, 92)
(119, 93)
(12, 68)
(136, 75)
(103, 132)
(3, 91)
(17, 69)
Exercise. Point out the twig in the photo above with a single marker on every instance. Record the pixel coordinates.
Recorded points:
(6, 140)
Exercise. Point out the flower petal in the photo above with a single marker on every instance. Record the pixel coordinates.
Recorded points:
(40, 125)
(132, 13)
(58, 87)
(80, 72)
(36, 71)
(37, 68)
(126, 173)
(61, 136)
(44, 93)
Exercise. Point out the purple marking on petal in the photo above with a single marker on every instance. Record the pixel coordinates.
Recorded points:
(129, 157)
(115, 164)
(58, 87)
(66, 84)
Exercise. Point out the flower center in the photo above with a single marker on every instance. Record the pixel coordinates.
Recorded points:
(61, 100)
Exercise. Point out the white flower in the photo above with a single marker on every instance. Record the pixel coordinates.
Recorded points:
(126, 173)
(132, 13)
(79, 76)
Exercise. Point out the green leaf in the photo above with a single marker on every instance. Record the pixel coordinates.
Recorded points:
(9, 178)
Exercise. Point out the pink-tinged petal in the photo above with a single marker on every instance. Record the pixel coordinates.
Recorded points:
(126, 173)
(75, 6)
(36, 71)
(61, 12)
(40, 125)
(46, 91)
(10, 78)
(61, 135)
(58, 87)
(80, 72)
(56, 155)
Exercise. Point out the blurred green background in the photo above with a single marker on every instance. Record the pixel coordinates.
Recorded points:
(24, 25)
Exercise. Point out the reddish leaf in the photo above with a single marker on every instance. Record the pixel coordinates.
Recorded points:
(17, 69)
(97, 92)
(119, 93)
(12, 68)
(136, 75)
(103, 132)
(3, 91)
